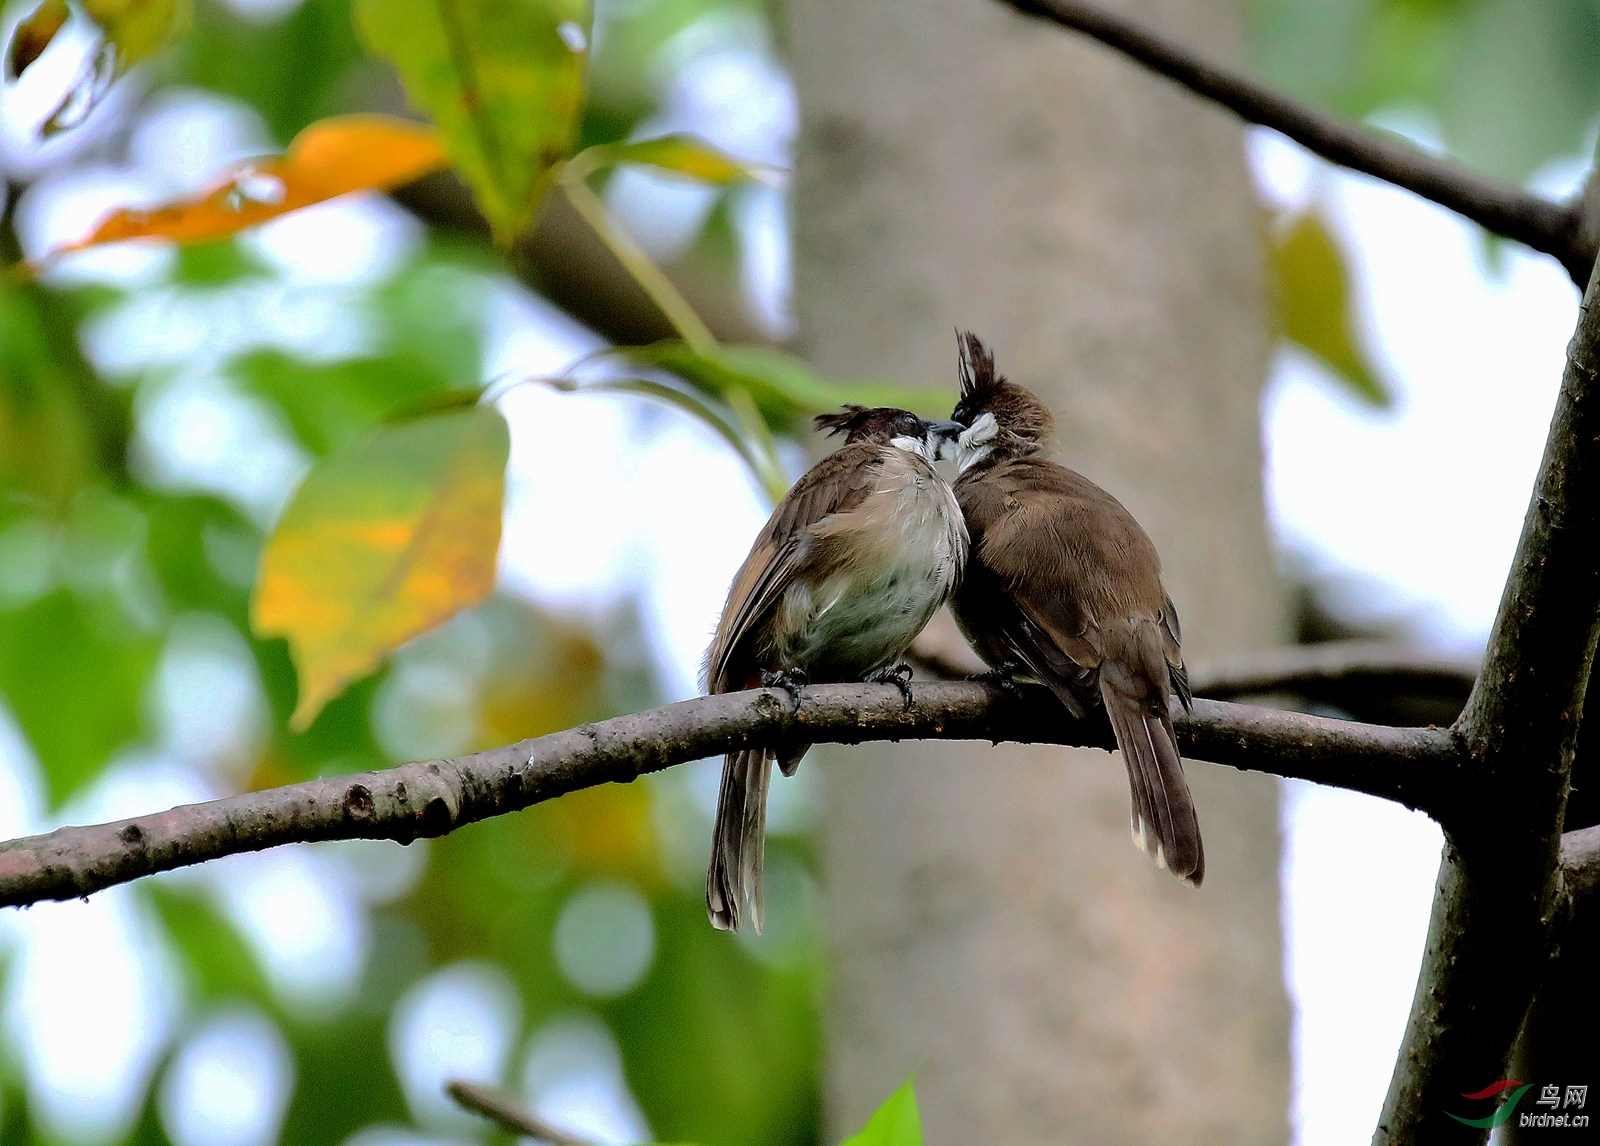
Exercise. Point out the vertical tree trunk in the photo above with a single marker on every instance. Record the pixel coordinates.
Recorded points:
(992, 927)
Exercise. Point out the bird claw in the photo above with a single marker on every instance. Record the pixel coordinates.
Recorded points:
(898, 675)
(792, 681)
(1005, 676)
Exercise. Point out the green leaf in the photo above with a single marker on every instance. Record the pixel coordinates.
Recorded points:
(1312, 291)
(680, 153)
(896, 1122)
(387, 537)
(73, 675)
(502, 79)
(60, 429)
(784, 389)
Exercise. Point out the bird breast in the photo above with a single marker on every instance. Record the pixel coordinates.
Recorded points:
(880, 572)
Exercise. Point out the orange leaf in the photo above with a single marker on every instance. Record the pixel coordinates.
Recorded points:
(332, 157)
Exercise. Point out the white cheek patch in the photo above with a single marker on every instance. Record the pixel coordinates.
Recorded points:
(980, 433)
(918, 446)
(974, 443)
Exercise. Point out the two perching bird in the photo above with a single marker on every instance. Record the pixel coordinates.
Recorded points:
(1048, 575)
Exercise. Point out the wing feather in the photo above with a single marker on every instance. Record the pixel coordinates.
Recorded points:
(835, 485)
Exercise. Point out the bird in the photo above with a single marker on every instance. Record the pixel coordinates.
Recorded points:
(1062, 585)
(855, 559)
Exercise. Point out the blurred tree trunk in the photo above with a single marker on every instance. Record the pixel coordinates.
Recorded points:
(992, 927)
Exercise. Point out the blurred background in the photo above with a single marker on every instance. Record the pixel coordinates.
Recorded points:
(159, 405)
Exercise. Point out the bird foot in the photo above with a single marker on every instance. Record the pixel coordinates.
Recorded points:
(898, 675)
(1004, 675)
(792, 681)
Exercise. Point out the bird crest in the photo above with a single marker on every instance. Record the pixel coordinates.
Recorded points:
(979, 379)
(851, 417)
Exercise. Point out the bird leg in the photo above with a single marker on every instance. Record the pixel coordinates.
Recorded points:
(898, 675)
(792, 681)
(1003, 674)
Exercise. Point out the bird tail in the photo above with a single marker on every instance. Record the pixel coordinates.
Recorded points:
(1163, 810)
(738, 840)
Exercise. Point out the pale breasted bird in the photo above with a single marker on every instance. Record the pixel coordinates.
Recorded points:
(853, 562)
(1062, 585)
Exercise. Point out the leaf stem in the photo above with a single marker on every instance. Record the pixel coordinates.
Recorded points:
(507, 1114)
(767, 465)
(632, 256)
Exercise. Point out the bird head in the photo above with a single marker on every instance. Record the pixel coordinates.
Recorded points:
(888, 426)
(995, 415)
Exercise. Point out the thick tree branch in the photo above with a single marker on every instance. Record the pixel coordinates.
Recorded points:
(1498, 891)
(1556, 229)
(1557, 1039)
(431, 798)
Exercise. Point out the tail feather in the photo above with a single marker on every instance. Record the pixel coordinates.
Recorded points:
(738, 840)
(1163, 809)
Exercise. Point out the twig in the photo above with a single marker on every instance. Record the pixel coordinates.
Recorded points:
(1556, 229)
(1412, 765)
(504, 1111)
(1309, 670)
(1362, 677)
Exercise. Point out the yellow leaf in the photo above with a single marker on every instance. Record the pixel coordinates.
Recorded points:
(33, 35)
(331, 157)
(502, 79)
(1314, 310)
(386, 538)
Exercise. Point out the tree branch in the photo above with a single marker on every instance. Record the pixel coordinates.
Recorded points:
(1498, 891)
(431, 798)
(1557, 1035)
(1556, 229)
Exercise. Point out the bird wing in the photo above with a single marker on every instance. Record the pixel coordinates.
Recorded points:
(1018, 532)
(835, 485)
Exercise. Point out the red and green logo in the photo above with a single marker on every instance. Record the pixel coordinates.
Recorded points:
(1503, 1111)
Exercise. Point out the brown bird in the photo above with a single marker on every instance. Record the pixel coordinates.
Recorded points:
(855, 559)
(1063, 585)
